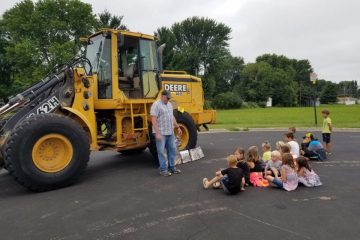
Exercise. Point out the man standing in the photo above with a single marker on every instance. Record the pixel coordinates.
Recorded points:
(163, 122)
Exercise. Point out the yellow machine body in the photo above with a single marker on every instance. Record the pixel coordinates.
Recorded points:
(127, 111)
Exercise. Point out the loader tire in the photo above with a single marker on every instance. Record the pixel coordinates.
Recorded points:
(152, 146)
(47, 151)
(188, 139)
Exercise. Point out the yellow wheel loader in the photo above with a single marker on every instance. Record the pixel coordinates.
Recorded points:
(97, 102)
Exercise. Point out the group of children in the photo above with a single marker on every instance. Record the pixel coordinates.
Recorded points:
(286, 167)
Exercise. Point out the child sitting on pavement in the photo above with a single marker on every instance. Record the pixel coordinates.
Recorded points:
(306, 175)
(266, 149)
(312, 148)
(256, 168)
(242, 164)
(231, 179)
(287, 149)
(284, 148)
(273, 167)
(289, 179)
(253, 160)
(293, 130)
(279, 144)
(294, 146)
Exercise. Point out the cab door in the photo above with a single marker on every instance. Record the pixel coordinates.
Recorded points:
(149, 68)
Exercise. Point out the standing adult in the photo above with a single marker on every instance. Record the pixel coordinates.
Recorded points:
(164, 122)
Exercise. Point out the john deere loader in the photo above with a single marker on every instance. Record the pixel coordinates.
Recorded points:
(97, 102)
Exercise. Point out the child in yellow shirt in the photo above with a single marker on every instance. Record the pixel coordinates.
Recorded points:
(266, 149)
(326, 130)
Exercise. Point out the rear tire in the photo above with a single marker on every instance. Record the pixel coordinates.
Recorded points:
(187, 123)
(189, 137)
(47, 152)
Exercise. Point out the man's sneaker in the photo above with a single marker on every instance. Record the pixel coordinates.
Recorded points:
(175, 171)
(165, 174)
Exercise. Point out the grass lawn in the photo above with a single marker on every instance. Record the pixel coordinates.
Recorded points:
(342, 117)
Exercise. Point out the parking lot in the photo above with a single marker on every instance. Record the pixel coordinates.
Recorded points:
(124, 198)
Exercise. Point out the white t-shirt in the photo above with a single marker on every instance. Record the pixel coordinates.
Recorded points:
(294, 148)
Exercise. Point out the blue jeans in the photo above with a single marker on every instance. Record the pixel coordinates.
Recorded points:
(167, 143)
(278, 183)
(224, 182)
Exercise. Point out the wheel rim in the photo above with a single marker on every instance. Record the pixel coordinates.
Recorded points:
(184, 138)
(52, 153)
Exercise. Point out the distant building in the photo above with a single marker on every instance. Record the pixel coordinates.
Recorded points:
(347, 100)
(269, 102)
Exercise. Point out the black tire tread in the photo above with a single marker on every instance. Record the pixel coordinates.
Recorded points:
(18, 131)
(186, 119)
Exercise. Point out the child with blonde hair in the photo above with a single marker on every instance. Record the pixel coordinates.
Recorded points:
(266, 149)
(279, 144)
(231, 178)
(273, 167)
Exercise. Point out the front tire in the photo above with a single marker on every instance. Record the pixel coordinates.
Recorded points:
(47, 152)
(152, 146)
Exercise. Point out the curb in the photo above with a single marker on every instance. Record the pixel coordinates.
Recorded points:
(239, 129)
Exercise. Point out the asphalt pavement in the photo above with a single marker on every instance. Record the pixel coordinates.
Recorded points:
(124, 198)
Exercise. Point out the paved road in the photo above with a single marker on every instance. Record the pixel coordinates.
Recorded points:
(124, 198)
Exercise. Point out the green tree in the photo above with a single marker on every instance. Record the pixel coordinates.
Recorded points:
(197, 45)
(255, 84)
(107, 20)
(283, 88)
(260, 80)
(348, 89)
(329, 93)
(44, 34)
(166, 36)
(200, 47)
(227, 100)
(6, 88)
(300, 73)
(227, 73)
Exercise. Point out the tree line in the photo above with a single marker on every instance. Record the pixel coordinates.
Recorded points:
(35, 37)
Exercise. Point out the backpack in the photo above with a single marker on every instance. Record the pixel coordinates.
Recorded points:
(257, 180)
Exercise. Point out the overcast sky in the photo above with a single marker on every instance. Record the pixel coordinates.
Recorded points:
(327, 32)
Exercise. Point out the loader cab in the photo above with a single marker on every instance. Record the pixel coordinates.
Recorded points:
(124, 61)
(137, 67)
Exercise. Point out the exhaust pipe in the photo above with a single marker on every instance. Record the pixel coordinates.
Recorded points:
(160, 51)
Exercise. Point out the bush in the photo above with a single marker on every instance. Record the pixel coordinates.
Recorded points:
(207, 104)
(228, 100)
(262, 104)
(249, 105)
